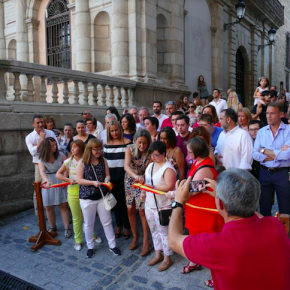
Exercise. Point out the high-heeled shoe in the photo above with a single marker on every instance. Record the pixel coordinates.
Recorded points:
(134, 244)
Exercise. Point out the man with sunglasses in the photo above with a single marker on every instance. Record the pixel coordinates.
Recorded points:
(87, 115)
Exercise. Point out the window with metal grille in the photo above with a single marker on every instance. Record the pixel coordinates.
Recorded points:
(58, 34)
(288, 50)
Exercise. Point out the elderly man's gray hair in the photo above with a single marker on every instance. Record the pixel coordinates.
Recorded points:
(133, 107)
(108, 116)
(240, 192)
(171, 103)
(145, 109)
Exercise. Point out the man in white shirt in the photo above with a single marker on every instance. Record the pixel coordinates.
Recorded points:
(218, 102)
(234, 146)
(33, 142)
(157, 109)
(108, 118)
(87, 115)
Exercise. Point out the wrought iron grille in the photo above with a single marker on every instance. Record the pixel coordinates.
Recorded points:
(58, 34)
(240, 75)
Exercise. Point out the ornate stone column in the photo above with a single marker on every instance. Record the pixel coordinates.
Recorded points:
(21, 31)
(120, 44)
(83, 36)
(22, 42)
(2, 37)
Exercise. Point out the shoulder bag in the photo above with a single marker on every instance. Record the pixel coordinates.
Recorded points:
(164, 214)
(109, 199)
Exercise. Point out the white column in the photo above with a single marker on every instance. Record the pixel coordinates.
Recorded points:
(83, 36)
(21, 31)
(22, 42)
(2, 37)
(120, 44)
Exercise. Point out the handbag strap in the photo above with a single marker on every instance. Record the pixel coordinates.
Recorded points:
(153, 184)
(97, 180)
(203, 166)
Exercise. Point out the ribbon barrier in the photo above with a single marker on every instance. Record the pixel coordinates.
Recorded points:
(109, 185)
(155, 191)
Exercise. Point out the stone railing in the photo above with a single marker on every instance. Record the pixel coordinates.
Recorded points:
(46, 84)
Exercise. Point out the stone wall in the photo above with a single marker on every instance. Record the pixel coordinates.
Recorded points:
(280, 70)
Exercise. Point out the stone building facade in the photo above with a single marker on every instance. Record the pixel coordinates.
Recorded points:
(158, 42)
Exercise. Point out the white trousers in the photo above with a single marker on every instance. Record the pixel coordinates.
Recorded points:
(89, 209)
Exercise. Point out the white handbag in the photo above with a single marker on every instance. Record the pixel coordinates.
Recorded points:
(109, 200)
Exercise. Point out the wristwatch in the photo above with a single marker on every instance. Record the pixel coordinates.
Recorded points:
(262, 150)
(176, 204)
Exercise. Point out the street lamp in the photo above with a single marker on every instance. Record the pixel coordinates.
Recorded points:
(272, 35)
(240, 8)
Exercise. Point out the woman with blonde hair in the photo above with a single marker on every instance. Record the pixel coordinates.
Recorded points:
(233, 102)
(114, 152)
(244, 118)
(92, 171)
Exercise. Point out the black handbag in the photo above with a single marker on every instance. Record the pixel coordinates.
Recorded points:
(164, 214)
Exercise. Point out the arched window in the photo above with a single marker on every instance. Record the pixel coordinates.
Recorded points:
(58, 34)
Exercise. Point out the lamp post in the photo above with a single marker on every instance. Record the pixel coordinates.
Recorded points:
(272, 35)
(240, 9)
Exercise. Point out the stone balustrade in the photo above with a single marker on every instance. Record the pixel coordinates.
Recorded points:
(63, 86)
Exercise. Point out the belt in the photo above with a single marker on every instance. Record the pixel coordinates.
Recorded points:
(275, 169)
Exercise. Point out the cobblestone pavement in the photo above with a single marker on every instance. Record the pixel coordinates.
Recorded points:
(62, 267)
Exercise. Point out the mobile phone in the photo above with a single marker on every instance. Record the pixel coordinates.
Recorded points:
(197, 186)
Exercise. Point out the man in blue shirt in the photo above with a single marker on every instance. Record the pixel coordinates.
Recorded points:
(272, 150)
(207, 122)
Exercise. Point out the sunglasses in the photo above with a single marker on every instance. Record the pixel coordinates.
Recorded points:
(191, 107)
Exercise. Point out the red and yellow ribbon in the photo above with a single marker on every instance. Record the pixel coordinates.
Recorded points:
(109, 185)
(155, 191)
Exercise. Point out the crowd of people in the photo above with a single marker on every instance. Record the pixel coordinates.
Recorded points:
(178, 153)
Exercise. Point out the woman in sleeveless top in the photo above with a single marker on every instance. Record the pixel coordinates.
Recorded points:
(70, 165)
(51, 161)
(161, 176)
(173, 153)
(91, 171)
(129, 126)
(197, 221)
(263, 85)
(137, 159)
(114, 152)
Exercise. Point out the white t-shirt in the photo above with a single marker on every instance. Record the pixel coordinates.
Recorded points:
(219, 106)
(235, 147)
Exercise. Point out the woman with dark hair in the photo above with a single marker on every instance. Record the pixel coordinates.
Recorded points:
(114, 152)
(137, 159)
(191, 114)
(173, 153)
(211, 110)
(283, 102)
(113, 110)
(49, 124)
(203, 133)
(184, 106)
(82, 134)
(160, 175)
(151, 125)
(198, 221)
(202, 90)
(129, 126)
(50, 161)
(91, 172)
(91, 124)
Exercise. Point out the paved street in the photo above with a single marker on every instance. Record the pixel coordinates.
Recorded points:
(62, 267)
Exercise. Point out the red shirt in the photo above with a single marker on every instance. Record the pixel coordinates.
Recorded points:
(249, 254)
(166, 123)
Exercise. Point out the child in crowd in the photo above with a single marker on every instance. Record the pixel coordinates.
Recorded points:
(70, 165)
(263, 86)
